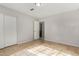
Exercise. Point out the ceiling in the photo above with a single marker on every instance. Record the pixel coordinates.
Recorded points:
(46, 9)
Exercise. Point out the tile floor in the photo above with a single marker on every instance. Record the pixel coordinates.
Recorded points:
(40, 48)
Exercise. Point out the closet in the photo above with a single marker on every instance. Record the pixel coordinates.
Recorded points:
(1, 31)
(8, 33)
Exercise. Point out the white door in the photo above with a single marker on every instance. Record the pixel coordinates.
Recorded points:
(10, 30)
(1, 31)
(36, 29)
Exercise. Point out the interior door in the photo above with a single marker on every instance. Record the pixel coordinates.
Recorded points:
(10, 30)
(1, 31)
(36, 30)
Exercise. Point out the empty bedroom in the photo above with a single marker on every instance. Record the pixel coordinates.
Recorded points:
(39, 29)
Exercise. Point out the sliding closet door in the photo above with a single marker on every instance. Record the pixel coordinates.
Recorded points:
(1, 31)
(10, 31)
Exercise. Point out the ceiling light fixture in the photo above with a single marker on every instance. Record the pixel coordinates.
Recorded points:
(37, 4)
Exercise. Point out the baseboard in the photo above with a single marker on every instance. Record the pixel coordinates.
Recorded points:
(63, 43)
(24, 41)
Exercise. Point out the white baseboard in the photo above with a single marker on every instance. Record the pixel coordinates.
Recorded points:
(23, 42)
(65, 43)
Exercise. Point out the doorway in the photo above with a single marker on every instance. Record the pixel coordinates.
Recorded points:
(38, 30)
(41, 31)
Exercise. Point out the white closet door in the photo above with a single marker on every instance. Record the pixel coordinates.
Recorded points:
(10, 30)
(36, 30)
(1, 31)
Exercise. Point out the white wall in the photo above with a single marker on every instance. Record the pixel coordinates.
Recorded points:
(25, 28)
(63, 28)
(24, 24)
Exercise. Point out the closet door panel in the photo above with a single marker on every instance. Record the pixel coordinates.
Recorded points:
(10, 31)
(1, 31)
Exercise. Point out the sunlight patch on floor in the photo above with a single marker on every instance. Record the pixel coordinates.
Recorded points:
(40, 50)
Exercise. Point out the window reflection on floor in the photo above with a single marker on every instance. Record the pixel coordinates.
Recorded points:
(40, 50)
